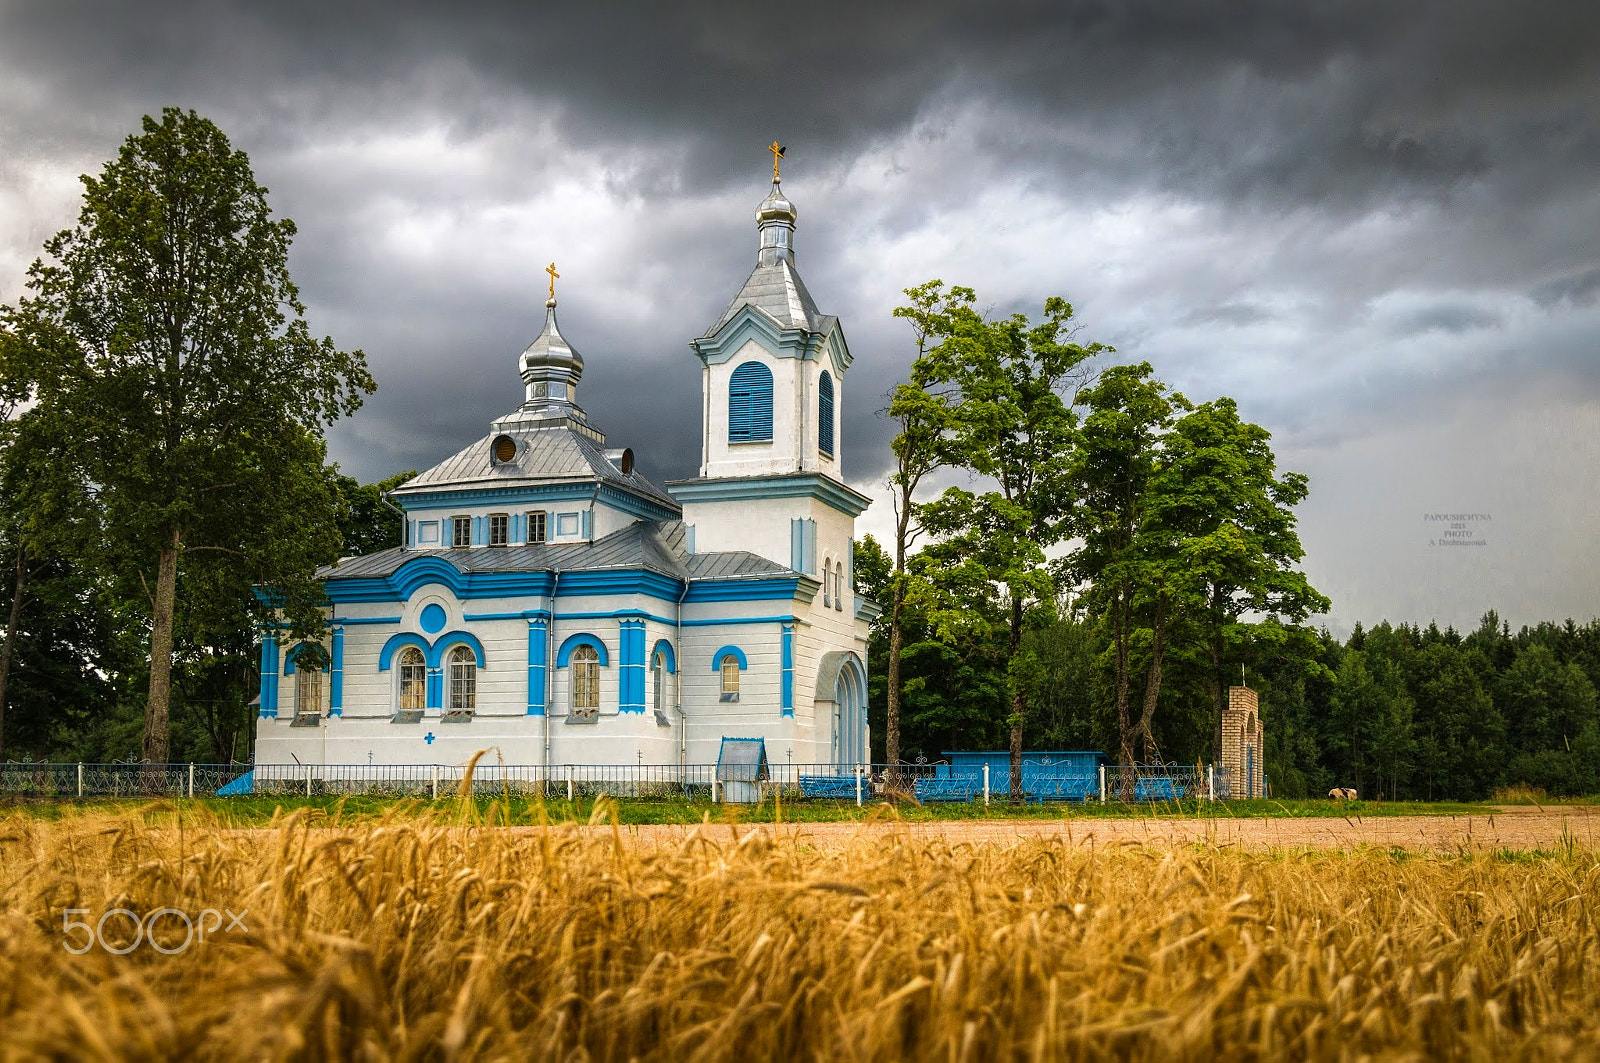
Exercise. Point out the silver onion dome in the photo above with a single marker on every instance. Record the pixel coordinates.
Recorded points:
(550, 368)
(775, 219)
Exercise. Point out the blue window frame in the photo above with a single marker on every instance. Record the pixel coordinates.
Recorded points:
(750, 404)
(825, 414)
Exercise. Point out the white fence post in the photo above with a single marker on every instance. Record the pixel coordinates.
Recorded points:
(1102, 784)
(1211, 782)
(858, 786)
(986, 784)
(569, 782)
(436, 782)
(308, 780)
(80, 778)
(191, 779)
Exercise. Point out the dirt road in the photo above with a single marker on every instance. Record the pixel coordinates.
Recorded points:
(1507, 828)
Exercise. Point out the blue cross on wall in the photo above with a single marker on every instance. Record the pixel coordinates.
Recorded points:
(428, 738)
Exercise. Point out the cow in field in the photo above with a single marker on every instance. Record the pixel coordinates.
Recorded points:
(1342, 793)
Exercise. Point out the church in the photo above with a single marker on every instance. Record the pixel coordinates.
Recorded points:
(550, 603)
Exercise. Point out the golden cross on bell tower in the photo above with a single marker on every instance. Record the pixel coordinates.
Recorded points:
(551, 269)
(777, 153)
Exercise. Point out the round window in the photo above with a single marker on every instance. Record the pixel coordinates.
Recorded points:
(505, 448)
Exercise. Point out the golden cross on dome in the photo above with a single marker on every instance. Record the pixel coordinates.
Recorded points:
(551, 269)
(777, 153)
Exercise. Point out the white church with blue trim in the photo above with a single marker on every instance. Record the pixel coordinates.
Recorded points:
(552, 604)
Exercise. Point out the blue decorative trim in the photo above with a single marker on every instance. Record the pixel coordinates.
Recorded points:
(291, 654)
(630, 679)
(435, 688)
(537, 634)
(419, 572)
(404, 638)
(616, 614)
(752, 324)
(433, 618)
(736, 652)
(664, 646)
(746, 590)
(336, 679)
(268, 707)
(358, 621)
(521, 614)
(739, 620)
(451, 639)
(825, 489)
(786, 697)
(581, 639)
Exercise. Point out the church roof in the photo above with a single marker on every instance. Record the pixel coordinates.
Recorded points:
(544, 455)
(654, 546)
(777, 291)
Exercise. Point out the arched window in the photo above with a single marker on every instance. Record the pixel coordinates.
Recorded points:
(730, 677)
(838, 585)
(463, 679)
(750, 404)
(585, 678)
(825, 414)
(827, 582)
(308, 691)
(413, 679)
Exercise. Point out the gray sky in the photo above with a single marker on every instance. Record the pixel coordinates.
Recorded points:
(1373, 224)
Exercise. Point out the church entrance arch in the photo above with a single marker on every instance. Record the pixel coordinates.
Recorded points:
(842, 679)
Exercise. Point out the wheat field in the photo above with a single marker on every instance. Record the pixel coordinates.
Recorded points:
(420, 935)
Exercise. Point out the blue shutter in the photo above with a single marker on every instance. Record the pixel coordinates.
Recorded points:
(750, 404)
(825, 414)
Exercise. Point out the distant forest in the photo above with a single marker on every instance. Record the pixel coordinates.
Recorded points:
(1396, 711)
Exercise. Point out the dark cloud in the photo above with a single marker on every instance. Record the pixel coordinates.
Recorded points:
(1352, 216)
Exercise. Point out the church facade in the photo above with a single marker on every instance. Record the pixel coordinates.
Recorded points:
(551, 603)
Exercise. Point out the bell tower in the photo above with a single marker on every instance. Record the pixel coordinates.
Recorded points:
(772, 391)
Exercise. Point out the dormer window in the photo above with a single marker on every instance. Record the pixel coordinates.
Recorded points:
(504, 449)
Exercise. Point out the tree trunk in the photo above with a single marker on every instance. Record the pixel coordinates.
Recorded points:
(891, 729)
(7, 651)
(161, 619)
(1119, 636)
(1019, 703)
(1152, 683)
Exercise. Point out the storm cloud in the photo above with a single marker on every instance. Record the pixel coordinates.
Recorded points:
(1373, 224)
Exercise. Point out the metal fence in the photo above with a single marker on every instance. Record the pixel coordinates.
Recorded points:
(790, 781)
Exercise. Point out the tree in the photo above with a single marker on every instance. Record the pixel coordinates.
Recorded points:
(1014, 427)
(922, 410)
(367, 524)
(168, 340)
(1235, 516)
(1127, 557)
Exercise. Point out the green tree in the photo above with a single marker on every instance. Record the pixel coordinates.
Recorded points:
(1127, 557)
(922, 411)
(367, 524)
(1014, 427)
(1235, 517)
(168, 339)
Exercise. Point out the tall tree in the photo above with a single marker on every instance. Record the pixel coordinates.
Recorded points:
(1014, 427)
(167, 336)
(1126, 555)
(1235, 515)
(921, 409)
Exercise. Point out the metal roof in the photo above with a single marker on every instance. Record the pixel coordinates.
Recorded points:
(655, 546)
(777, 291)
(546, 453)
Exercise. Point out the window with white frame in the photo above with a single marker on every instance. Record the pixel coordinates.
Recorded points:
(460, 531)
(499, 529)
(413, 679)
(536, 527)
(585, 678)
(463, 679)
(730, 677)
